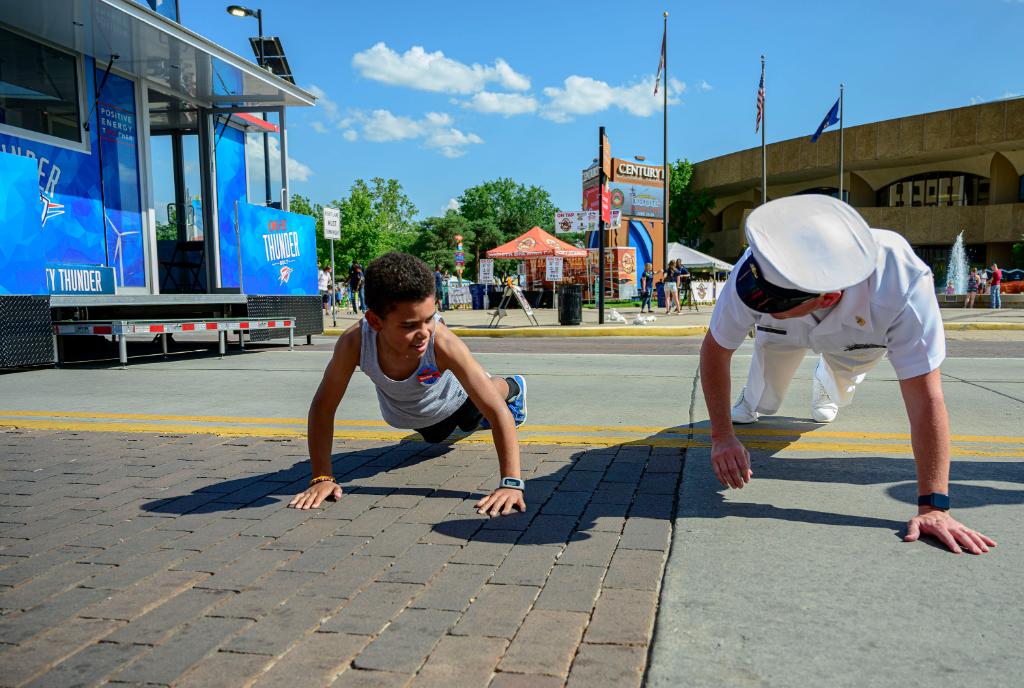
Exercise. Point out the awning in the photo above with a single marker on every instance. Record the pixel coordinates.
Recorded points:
(536, 243)
(155, 48)
(694, 259)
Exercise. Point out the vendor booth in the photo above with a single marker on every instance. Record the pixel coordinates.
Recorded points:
(132, 176)
(533, 248)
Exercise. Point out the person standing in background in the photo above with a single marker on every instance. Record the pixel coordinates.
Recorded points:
(438, 289)
(646, 287)
(972, 288)
(671, 287)
(324, 287)
(995, 283)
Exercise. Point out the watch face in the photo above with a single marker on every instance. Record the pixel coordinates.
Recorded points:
(513, 482)
(940, 501)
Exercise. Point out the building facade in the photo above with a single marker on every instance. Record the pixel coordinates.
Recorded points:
(928, 177)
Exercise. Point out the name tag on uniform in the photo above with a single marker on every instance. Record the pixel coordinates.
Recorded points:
(770, 330)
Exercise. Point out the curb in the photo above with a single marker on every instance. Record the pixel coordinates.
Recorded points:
(967, 326)
(655, 330)
(569, 331)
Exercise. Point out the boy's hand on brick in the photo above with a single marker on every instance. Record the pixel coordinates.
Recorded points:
(314, 496)
(501, 502)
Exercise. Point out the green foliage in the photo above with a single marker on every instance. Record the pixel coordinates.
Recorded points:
(376, 217)
(1017, 255)
(510, 207)
(686, 207)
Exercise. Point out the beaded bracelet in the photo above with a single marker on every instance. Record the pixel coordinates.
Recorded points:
(321, 479)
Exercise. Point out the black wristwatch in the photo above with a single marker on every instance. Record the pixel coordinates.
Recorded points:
(514, 483)
(936, 500)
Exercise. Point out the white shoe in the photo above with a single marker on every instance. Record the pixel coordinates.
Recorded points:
(823, 409)
(742, 414)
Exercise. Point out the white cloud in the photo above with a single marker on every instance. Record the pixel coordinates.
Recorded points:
(326, 105)
(297, 171)
(506, 104)
(583, 95)
(350, 135)
(705, 86)
(434, 128)
(416, 68)
(453, 204)
(318, 127)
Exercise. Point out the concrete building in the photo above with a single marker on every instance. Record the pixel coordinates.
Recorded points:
(925, 176)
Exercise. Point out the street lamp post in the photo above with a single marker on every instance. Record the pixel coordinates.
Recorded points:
(239, 11)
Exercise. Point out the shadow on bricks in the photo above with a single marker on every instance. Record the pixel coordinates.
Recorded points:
(252, 491)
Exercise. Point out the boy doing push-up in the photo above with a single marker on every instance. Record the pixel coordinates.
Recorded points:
(426, 380)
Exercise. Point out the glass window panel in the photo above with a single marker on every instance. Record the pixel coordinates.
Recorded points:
(38, 88)
(193, 188)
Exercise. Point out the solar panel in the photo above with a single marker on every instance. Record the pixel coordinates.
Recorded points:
(273, 56)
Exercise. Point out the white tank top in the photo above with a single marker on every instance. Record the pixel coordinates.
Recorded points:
(422, 399)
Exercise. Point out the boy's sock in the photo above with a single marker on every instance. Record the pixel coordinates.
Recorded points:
(513, 389)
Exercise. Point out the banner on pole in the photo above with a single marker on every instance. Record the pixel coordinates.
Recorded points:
(553, 273)
(332, 223)
(606, 204)
(485, 274)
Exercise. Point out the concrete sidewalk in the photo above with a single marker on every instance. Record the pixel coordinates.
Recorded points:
(471, 323)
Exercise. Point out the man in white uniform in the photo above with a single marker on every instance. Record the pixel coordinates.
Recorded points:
(817, 277)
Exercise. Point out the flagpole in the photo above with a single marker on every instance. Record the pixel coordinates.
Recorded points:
(840, 142)
(664, 145)
(764, 153)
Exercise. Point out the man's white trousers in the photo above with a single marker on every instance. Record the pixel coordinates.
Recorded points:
(775, 362)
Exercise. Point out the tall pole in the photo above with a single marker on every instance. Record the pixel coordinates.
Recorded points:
(764, 149)
(840, 142)
(266, 141)
(600, 226)
(664, 146)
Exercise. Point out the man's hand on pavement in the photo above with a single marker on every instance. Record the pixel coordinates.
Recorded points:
(502, 501)
(947, 530)
(314, 496)
(731, 462)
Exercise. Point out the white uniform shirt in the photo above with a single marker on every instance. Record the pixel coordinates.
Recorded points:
(894, 309)
(324, 281)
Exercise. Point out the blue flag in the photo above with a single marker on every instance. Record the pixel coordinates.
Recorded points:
(831, 118)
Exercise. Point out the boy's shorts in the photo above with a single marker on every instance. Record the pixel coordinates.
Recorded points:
(467, 418)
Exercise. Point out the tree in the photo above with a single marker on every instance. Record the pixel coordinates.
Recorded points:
(687, 207)
(376, 217)
(303, 206)
(435, 243)
(511, 208)
(1017, 255)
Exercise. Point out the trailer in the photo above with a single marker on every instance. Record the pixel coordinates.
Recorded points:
(143, 177)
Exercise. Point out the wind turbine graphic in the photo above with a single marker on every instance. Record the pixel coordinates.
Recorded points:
(118, 249)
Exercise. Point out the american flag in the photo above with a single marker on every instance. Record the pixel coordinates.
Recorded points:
(661, 65)
(760, 103)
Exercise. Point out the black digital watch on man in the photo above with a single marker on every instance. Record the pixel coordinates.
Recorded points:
(936, 500)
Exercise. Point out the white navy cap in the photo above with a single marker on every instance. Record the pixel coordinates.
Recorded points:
(811, 243)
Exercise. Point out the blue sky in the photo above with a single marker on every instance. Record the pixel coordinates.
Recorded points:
(445, 95)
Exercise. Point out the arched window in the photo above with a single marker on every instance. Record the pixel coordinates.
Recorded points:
(935, 188)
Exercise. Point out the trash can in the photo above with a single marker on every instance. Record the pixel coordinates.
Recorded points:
(477, 291)
(570, 304)
(660, 289)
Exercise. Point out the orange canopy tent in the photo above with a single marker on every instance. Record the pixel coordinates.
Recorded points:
(536, 243)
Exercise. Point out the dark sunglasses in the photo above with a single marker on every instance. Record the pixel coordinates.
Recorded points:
(761, 295)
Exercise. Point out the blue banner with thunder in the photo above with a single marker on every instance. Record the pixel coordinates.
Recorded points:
(278, 251)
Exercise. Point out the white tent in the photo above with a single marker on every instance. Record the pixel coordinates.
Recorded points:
(694, 259)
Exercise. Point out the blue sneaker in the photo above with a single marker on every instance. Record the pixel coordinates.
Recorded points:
(517, 405)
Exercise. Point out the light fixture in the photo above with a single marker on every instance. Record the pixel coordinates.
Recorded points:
(239, 11)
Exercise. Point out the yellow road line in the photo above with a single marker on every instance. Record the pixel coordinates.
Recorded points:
(485, 438)
(652, 429)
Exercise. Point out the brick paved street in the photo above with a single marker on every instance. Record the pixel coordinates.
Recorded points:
(171, 559)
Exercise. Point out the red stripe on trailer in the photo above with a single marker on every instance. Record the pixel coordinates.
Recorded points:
(287, 323)
(188, 327)
(212, 326)
(243, 326)
(156, 328)
(102, 329)
(272, 324)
